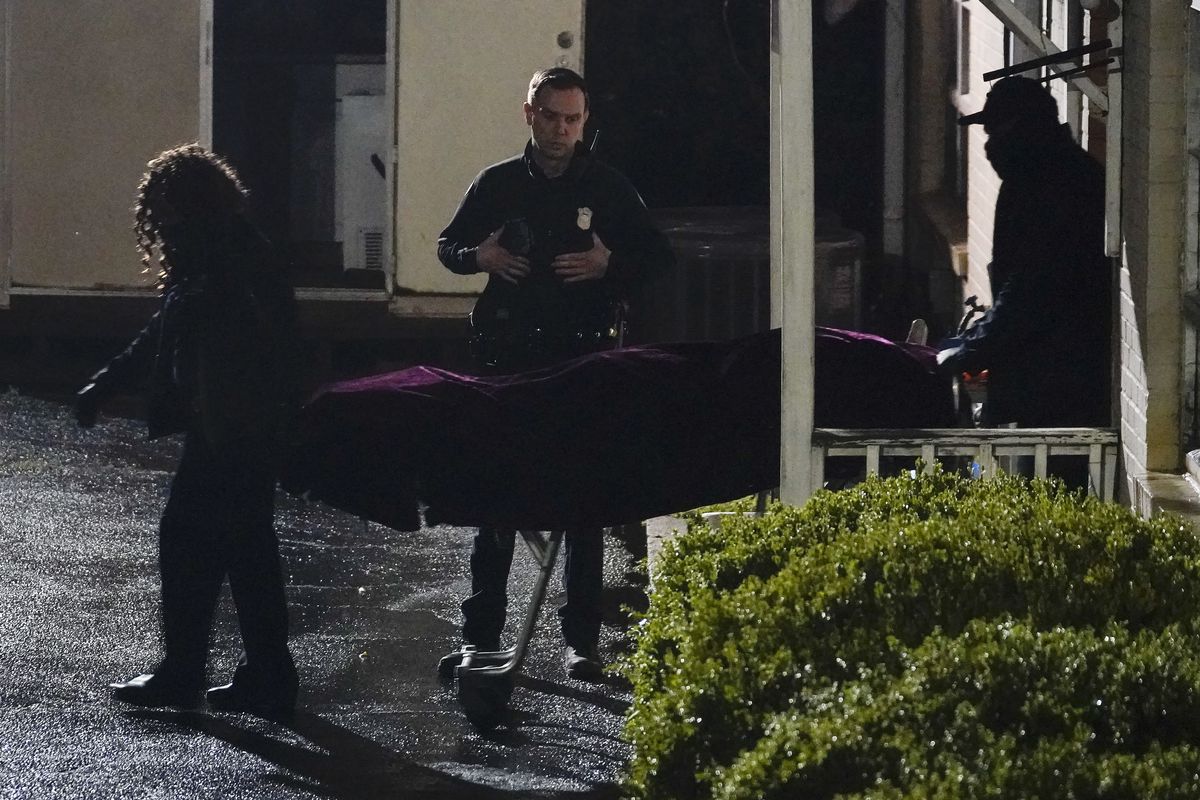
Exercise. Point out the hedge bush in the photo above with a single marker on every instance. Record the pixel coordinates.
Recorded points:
(922, 637)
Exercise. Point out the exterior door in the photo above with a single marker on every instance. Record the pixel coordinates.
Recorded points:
(463, 69)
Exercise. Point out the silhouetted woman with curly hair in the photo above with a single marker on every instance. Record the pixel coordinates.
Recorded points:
(219, 356)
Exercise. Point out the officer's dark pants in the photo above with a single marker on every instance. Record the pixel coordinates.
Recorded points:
(218, 522)
(492, 554)
(583, 579)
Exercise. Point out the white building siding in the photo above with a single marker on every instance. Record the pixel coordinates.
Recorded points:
(987, 53)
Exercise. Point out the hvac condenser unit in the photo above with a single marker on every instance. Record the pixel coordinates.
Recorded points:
(360, 139)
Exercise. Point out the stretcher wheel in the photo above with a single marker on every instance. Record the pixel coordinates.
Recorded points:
(484, 698)
(486, 678)
(446, 667)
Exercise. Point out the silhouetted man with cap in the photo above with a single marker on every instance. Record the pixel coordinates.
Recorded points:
(1046, 339)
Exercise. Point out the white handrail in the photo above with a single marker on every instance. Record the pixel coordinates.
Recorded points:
(987, 446)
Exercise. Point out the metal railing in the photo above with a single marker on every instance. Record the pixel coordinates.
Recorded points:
(991, 449)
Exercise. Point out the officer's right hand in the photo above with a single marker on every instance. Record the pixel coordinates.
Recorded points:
(87, 404)
(493, 259)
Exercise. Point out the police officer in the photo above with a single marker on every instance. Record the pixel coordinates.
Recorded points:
(563, 238)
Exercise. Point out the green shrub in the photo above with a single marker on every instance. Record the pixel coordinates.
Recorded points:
(929, 637)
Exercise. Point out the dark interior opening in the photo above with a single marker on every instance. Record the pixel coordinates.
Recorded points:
(299, 109)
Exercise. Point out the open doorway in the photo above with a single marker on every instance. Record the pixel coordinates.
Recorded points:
(300, 107)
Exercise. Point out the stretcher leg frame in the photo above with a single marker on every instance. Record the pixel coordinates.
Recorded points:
(485, 677)
(544, 548)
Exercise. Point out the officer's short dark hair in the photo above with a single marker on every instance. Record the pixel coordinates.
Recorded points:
(559, 78)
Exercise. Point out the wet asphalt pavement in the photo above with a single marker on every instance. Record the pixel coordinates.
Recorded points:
(372, 611)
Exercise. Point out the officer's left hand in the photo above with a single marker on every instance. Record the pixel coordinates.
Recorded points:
(590, 265)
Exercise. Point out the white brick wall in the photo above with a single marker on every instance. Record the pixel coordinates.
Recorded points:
(1134, 394)
(1153, 179)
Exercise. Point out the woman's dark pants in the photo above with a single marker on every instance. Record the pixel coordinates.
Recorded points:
(218, 522)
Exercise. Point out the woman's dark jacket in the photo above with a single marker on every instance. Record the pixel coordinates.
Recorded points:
(220, 353)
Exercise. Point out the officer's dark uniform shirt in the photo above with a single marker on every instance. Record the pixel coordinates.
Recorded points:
(544, 217)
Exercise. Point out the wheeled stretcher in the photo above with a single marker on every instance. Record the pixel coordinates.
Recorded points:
(606, 439)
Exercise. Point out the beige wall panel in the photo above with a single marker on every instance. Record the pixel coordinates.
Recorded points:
(96, 89)
(463, 70)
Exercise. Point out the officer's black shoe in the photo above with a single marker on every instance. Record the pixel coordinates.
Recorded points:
(157, 690)
(270, 704)
(583, 664)
(269, 698)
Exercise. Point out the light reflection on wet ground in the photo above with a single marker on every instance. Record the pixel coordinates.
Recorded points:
(372, 611)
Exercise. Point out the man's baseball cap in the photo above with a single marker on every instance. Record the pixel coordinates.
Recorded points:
(1015, 98)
